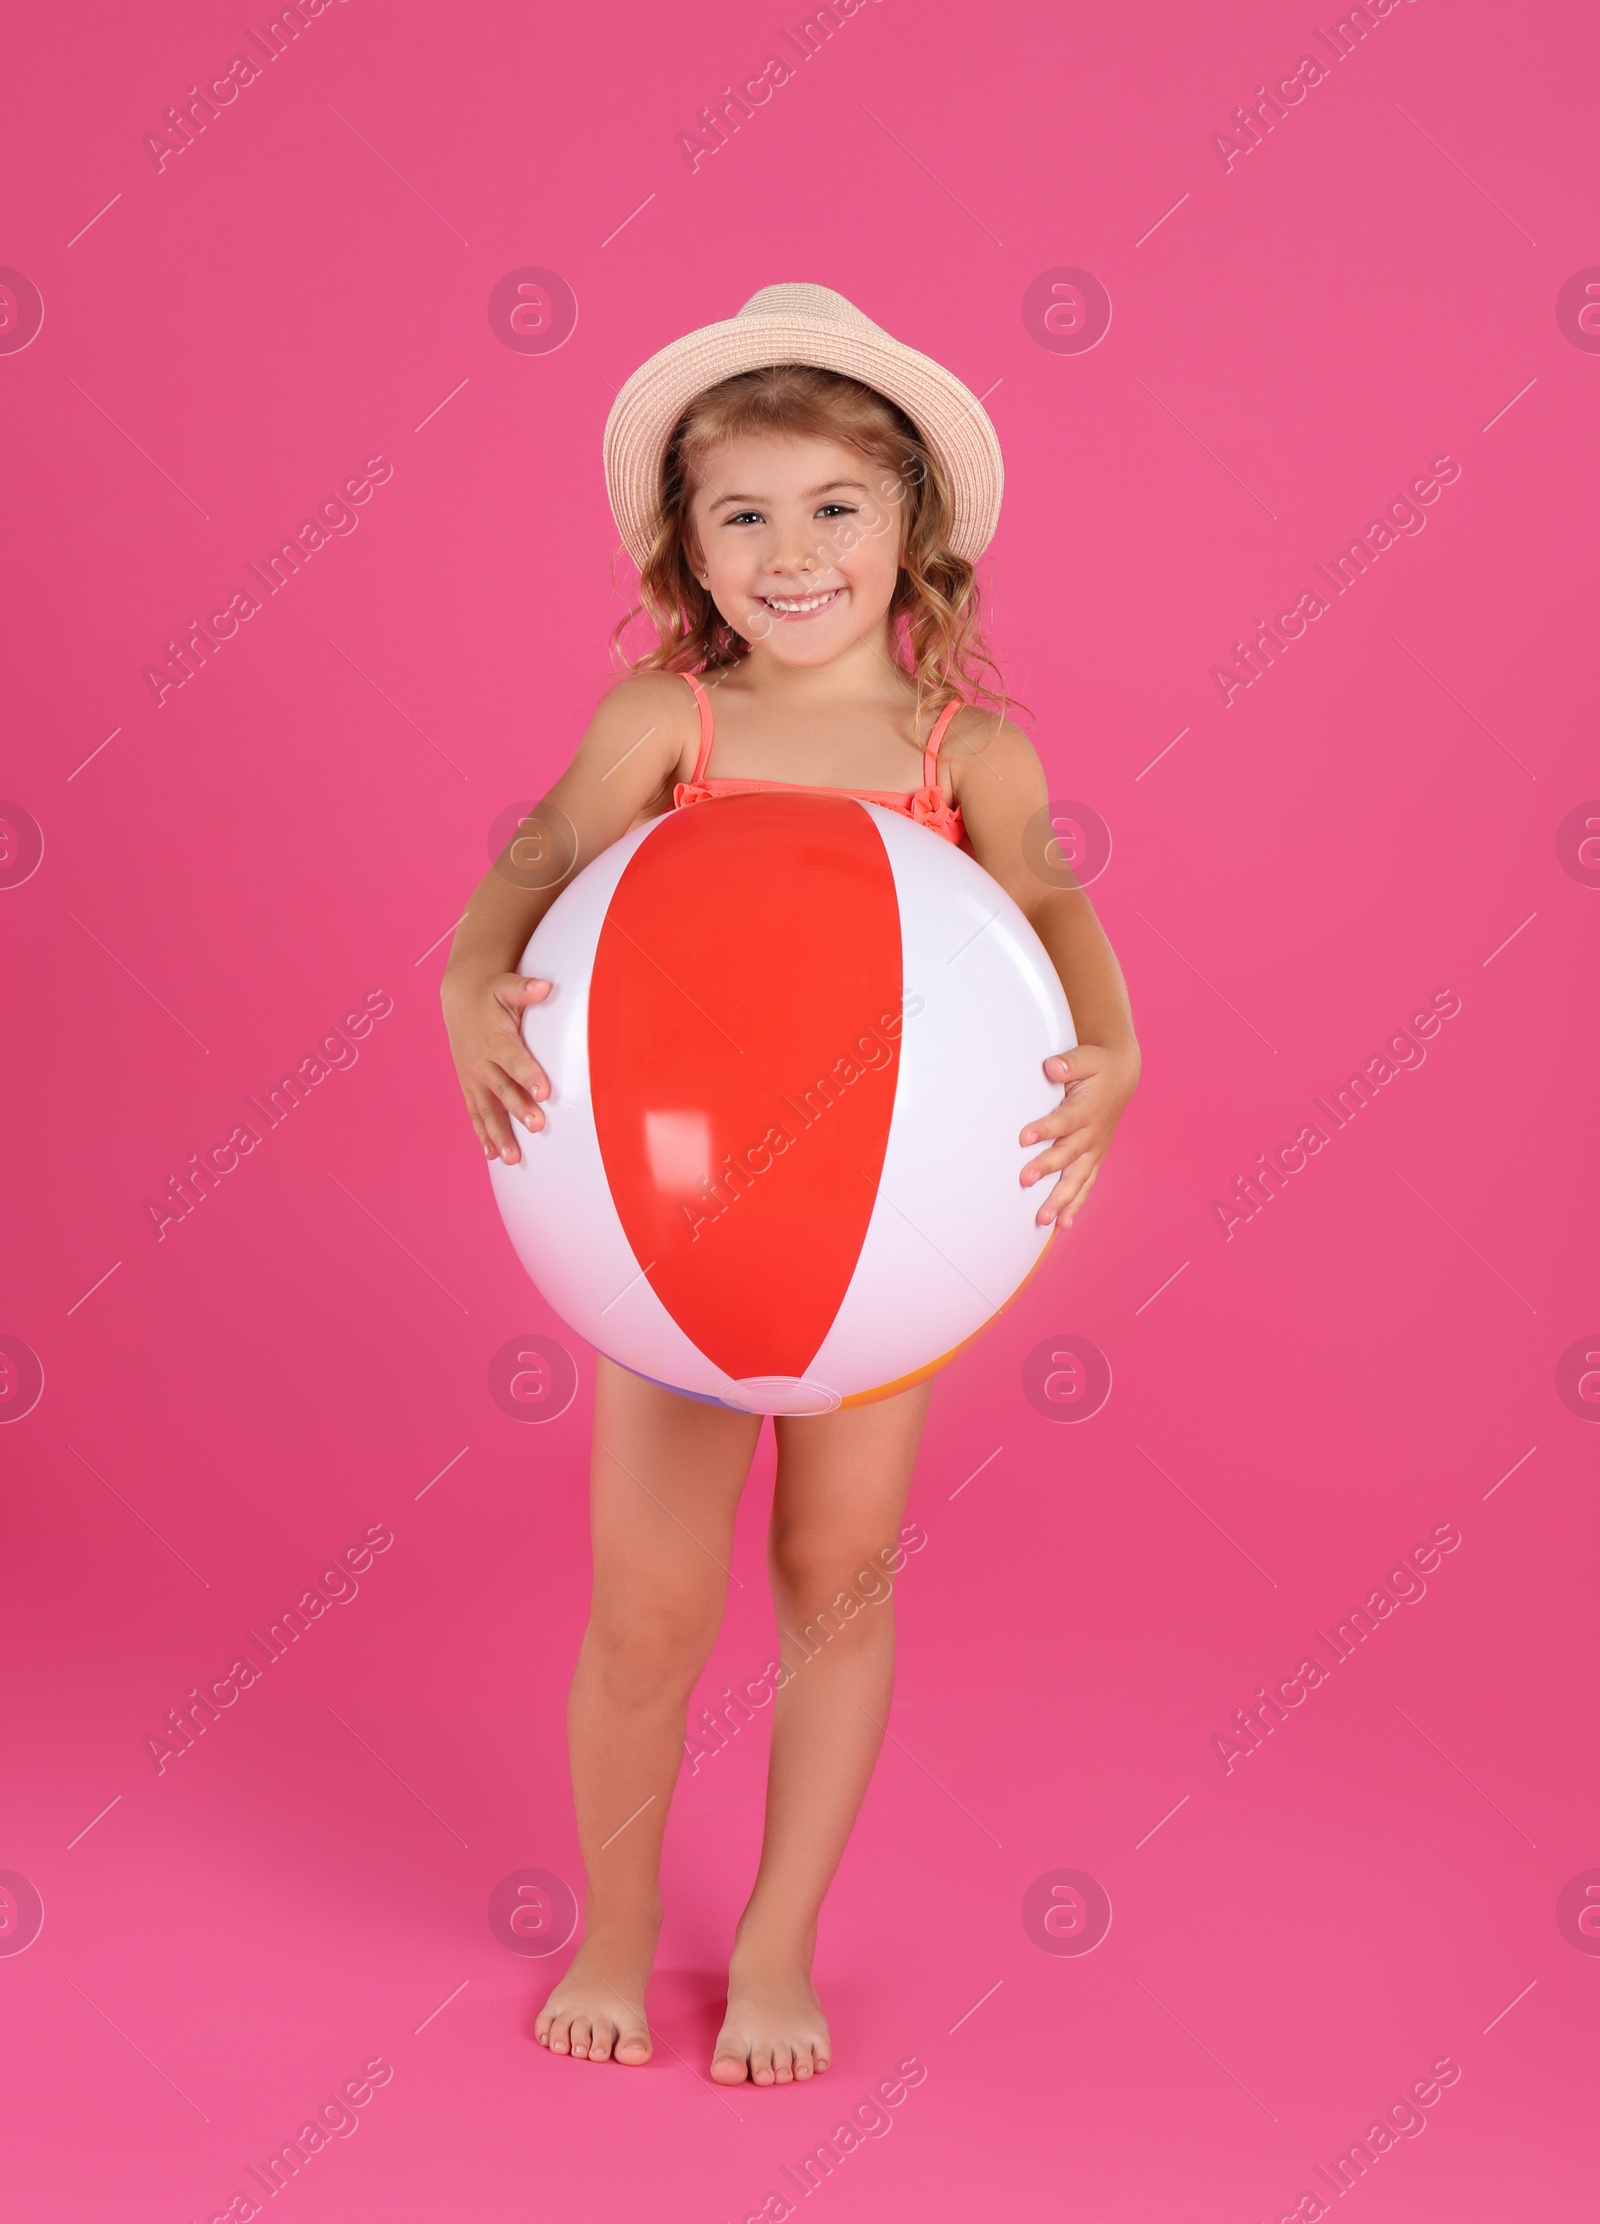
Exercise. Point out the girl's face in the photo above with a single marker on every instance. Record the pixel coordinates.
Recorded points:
(797, 540)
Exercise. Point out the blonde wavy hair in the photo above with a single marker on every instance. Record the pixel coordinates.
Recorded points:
(934, 612)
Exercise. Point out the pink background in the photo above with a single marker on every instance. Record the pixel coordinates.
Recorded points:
(1375, 819)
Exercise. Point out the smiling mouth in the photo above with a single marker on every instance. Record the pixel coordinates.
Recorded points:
(799, 606)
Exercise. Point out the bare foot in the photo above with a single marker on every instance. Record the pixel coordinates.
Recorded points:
(775, 2031)
(597, 2009)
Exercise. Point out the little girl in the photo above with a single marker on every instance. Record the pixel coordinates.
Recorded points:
(805, 498)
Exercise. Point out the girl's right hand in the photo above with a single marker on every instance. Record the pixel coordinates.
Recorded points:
(642, 734)
(499, 1077)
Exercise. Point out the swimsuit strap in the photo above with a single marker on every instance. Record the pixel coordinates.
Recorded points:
(704, 701)
(930, 755)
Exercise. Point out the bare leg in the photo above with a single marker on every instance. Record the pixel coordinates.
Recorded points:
(842, 1481)
(666, 1473)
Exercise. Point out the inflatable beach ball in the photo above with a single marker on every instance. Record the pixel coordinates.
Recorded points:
(791, 1042)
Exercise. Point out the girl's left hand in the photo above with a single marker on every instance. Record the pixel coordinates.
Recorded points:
(1099, 1084)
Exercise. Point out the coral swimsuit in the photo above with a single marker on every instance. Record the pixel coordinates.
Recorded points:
(927, 804)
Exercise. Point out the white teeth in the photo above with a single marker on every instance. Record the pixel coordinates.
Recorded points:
(792, 607)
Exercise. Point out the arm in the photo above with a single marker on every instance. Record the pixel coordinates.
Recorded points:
(634, 744)
(1001, 787)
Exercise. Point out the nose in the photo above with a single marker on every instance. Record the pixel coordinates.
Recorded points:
(794, 553)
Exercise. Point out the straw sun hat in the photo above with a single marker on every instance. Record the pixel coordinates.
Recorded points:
(800, 324)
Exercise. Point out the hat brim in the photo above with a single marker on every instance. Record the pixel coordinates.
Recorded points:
(949, 417)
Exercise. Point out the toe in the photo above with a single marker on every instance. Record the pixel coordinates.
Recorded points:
(783, 2062)
(600, 2042)
(730, 2065)
(581, 2034)
(632, 2046)
(802, 2063)
(761, 2071)
(558, 2036)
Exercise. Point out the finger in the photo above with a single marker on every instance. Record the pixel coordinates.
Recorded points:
(497, 1127)
(1065, 1194)
(516, 993)
(515, 1099)
(479, 1130)
(1051, 1161)
(1072, 1213)
(1066, 1119)
(1064, 1200)
(520, 988)
(514, 1055)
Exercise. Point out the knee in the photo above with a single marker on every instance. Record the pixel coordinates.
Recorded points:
(842, 1573)
(649, 1649)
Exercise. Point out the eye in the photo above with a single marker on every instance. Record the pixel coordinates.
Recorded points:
(837, 509)
(744, 517)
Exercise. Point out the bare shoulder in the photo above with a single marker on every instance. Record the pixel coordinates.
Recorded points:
(663, 700)
(648, 717)
(1004, 749)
